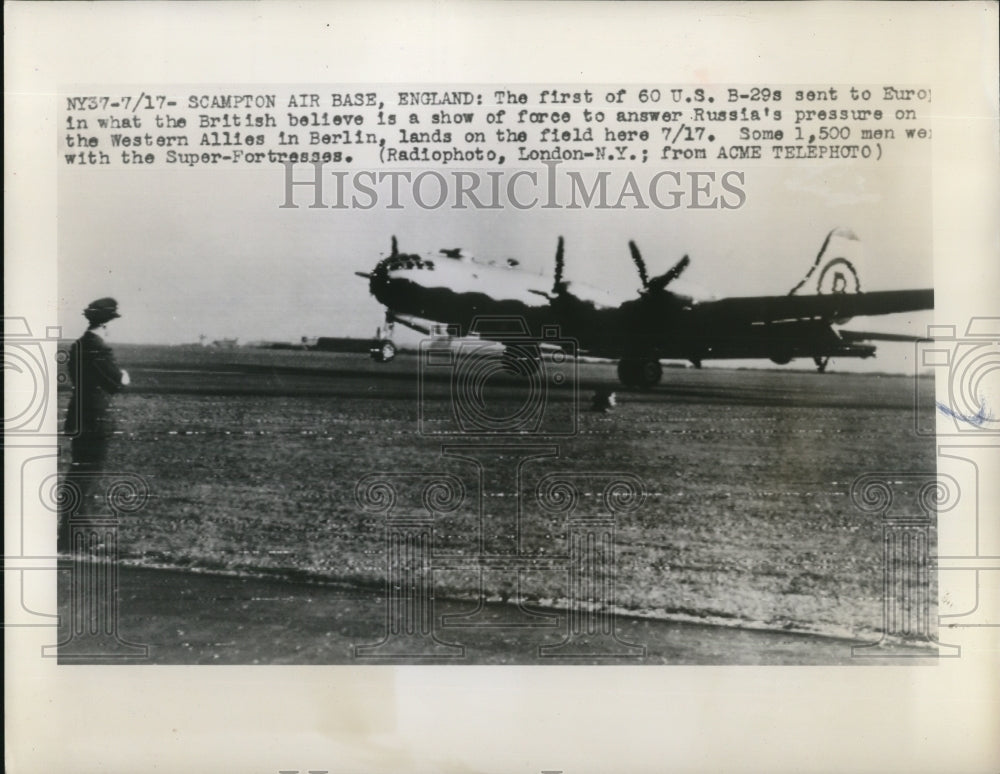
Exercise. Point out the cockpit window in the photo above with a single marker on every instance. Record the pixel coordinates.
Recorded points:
(401, 262)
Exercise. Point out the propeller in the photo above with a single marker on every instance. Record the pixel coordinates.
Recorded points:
(557, 284)
(660, 282)
(395, 247)
(640, 264)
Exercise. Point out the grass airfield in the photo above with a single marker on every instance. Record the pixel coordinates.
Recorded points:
(746, 549)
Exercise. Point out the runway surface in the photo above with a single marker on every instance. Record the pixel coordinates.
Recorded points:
(744, 547)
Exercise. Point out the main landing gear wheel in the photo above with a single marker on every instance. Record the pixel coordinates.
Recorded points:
(635, 372)
(821, 363)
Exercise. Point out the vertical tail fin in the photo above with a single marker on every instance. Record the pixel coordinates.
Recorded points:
(835, 269)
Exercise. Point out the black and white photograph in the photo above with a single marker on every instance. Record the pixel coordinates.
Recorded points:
(390, 374)
(541, 428)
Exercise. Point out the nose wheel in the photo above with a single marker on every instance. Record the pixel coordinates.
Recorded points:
(821, 363)
(383, 349)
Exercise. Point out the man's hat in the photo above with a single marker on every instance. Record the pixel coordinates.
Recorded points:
(102, 310)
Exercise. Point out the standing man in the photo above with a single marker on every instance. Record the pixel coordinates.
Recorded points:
(96, 377)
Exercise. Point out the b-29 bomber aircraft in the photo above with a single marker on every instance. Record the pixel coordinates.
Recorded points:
(657, 323)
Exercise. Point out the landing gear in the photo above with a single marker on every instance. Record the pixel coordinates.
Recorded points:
(696, 362)
(637, 372)
(383, 350)
(821, 363)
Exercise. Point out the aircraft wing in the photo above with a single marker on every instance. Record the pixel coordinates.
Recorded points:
(426, 327)
(411, 322)
(828, 307)
(873, 336)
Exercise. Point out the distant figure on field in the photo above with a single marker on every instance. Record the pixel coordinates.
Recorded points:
(603, 401)
(96, 377)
